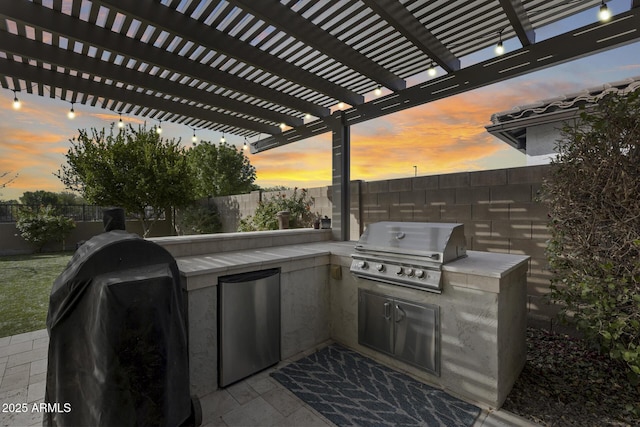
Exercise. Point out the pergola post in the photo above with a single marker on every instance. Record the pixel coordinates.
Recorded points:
(340, 144)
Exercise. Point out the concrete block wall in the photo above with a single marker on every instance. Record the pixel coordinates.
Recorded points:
(233, 208)
(498, 207)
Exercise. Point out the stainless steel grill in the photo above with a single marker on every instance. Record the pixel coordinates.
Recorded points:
(408, 253)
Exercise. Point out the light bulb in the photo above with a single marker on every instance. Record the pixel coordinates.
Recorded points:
(120, 122)
(194, 138)
(16, 103)
(340, 105)
(499, 48)
(245, 147)
(604, 14)
(431, 71)
(223, 139)
(71, 114)
(378, 91)
(159, 128)
(282, 126)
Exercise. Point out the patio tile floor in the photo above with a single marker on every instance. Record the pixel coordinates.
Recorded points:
(256, 401)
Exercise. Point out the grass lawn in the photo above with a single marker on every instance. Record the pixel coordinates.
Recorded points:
(25, 284)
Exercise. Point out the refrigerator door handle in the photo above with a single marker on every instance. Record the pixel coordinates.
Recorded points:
(387, 311)
(400, 314)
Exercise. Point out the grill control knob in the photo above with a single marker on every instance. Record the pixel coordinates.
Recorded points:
(399, 271)
(419, 274)
(409, 272)
(380, 267)
(363, 265)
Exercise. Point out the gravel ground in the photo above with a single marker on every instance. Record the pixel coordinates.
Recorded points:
(567, 383)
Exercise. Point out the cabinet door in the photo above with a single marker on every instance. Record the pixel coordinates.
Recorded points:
(375, 321)
(416, 335)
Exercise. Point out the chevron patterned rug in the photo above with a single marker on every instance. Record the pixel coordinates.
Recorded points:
(352, 390)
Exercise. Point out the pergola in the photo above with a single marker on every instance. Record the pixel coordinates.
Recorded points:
(278, 69)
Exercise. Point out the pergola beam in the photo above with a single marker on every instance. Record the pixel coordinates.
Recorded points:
(575, 44)
(75, 29)
(78, 85)
(519, 20)
(69, 59)
(406, 24)
(276, 14)
(160, 16)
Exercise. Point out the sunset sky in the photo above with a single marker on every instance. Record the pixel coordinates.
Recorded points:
(440, 137)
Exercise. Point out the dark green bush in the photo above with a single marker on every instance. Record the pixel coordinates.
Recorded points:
(593, 195)
(42, 226)
(265, 218)
(199, 219)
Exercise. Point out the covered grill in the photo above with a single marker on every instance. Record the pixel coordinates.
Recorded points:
(408, 253)
(118, 339)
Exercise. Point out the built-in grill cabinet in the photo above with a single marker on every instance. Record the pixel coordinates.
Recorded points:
(402, 329)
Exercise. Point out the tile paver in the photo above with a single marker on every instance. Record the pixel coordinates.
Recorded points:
(256, 401)
(11, 349)
(27, 356)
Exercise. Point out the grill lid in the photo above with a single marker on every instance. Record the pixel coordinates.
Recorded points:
(439, 242)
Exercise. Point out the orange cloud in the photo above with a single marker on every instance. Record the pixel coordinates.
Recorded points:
(309, 165)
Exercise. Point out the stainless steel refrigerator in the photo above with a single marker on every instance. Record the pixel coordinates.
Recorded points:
(248, 324)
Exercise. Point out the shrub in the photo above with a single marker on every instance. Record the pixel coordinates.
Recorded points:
(594, 253)
(199, 219)
(42, 226)
(265, 218)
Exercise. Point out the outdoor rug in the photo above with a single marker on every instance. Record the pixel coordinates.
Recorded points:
(352, 390)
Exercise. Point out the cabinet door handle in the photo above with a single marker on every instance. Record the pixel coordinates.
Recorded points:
(401, 315)
(387, 310)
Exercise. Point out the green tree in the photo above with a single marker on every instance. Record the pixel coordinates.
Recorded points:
(593, 195)
(133, 169)
(220, 170)
(39, 198)
(41, 226)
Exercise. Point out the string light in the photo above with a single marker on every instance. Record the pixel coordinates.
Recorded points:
(340, 105)
(378, 91)
(223, 139)
(194, 138)
(245, 147)
(159, 128)
(282, 126)
(499, 47)
(431, 71)
(120, 122)
(71, 114)
(604, 14)
(16, 102)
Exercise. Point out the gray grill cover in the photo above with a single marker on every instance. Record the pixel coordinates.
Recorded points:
(117, 337)
(440, 242)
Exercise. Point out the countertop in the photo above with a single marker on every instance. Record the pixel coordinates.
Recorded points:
(224, 262)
